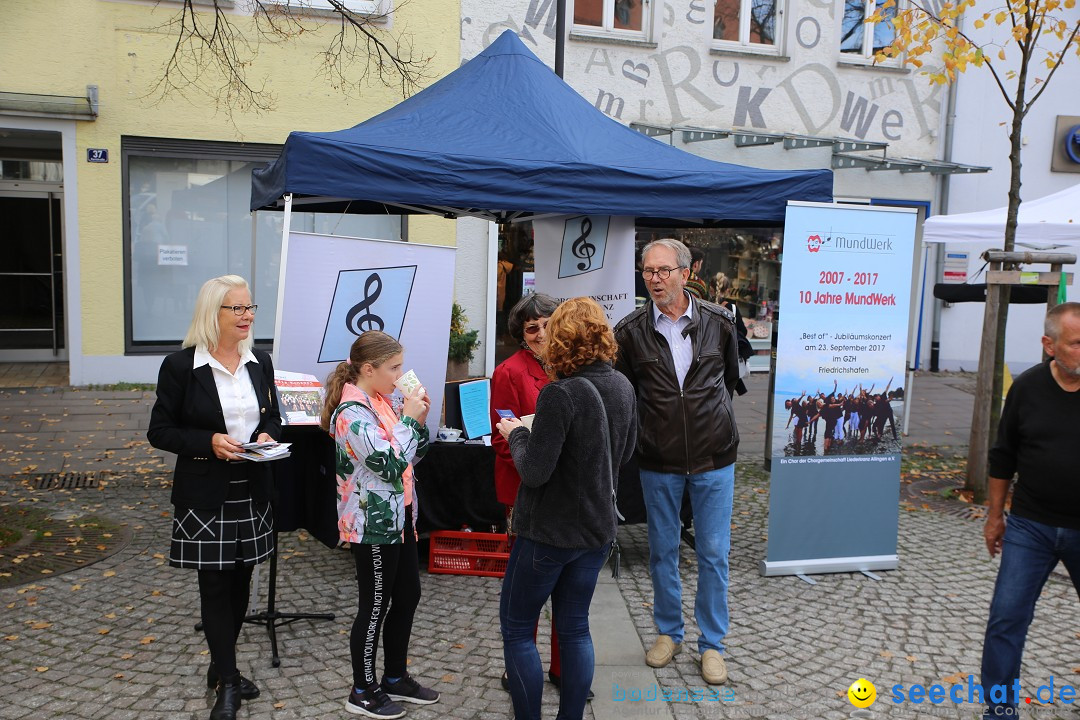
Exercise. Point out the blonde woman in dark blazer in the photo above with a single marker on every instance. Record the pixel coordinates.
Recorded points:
(212, 396)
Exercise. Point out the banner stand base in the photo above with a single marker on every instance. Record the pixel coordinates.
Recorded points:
(829, 565)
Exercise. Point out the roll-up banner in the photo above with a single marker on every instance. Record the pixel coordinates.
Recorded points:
(839, 399)
(334, 288)
(587, 255)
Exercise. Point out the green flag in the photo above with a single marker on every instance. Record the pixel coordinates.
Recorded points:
(1061, 288)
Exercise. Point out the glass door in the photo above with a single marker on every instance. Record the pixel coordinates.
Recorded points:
(31, 274)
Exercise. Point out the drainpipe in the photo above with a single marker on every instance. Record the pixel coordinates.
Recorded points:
(560, 35)
(939, 249)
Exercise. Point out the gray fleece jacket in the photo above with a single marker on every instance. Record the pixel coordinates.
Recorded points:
(565, 495)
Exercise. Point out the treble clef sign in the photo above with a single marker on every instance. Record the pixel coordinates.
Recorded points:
(582, 248)
(368, 320)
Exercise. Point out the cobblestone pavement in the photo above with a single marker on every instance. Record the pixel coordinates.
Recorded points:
(116, 639)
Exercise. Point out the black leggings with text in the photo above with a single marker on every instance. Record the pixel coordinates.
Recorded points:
(388, 580)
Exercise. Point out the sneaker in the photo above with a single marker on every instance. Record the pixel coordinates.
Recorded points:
(713, 669)
(408, 690)
(662, 651)
(373, 703)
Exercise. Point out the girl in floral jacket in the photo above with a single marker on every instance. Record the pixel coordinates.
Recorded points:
(378, 437)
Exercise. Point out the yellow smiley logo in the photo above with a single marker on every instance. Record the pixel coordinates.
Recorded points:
(862, 693)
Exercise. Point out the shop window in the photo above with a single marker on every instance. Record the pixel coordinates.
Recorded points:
(186, 220)
(629, 19)
(747, 25)
(748, 258)
(860, 41)
(514, 276)
(741, 269)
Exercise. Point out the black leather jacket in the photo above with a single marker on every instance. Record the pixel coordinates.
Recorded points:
(690, 429)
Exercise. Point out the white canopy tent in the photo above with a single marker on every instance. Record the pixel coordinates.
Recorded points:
(1047, 221)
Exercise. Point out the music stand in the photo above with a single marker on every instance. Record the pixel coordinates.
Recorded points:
(304, 489)
(271, 618)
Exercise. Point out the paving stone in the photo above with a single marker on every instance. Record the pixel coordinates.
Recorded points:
(792, 651)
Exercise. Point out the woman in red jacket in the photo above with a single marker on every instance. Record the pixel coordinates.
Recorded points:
(515, 384)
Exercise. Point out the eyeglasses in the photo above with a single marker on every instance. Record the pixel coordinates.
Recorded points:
(534, 328)
(661, 273)
(240, 309)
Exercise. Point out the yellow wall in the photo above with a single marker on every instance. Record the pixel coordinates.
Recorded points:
(60, 47)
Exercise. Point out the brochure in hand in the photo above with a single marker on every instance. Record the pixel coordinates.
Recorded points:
(301, 397)
(263, 452)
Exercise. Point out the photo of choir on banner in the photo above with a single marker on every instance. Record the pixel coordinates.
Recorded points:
(859, 419)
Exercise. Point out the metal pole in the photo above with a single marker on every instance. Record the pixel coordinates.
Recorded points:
(560, 35)
(286, 226)
(939, 250)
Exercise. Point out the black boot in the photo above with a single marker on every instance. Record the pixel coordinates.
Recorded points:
(556, 680)
(228, 699)
(248, 689)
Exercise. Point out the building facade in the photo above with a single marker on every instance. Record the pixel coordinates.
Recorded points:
(779, 84)
(119, 202)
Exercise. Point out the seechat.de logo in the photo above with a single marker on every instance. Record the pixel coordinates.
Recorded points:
(583, 246)
(367, 299)
(862, 693)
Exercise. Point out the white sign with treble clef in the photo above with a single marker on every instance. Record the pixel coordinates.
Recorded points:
(590, 255)
(336, 288)
(367, 299)
(584, 242)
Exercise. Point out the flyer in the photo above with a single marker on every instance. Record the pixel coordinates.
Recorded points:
(300, 396)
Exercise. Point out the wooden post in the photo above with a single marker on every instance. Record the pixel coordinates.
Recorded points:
(979, 442)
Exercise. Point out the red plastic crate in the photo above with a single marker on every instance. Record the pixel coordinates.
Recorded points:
(454, 552)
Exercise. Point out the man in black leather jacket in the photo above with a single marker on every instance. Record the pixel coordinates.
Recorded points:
(681, 355)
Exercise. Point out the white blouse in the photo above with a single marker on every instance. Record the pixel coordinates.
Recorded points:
(236, 393)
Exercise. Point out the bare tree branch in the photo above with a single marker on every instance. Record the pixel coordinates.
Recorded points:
(212, 55)
(209, 57)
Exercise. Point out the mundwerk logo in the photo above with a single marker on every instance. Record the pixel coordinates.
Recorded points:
(368, 299)
(853, 242)
(584, 244)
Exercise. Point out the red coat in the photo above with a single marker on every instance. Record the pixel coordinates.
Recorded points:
(515, 384)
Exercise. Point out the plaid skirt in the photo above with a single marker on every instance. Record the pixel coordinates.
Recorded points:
(240, 532)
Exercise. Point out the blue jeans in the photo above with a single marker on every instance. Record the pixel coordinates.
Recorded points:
(534, 573)
(710, 496)
(1029, 552)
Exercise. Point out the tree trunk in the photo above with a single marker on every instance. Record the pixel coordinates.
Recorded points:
(983, 433)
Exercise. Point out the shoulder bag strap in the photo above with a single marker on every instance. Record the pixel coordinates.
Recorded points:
(607, 434)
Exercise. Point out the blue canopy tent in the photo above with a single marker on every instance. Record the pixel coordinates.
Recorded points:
(504, 138)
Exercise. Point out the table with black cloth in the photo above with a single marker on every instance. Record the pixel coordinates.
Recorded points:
(305, 485)
(455, 486)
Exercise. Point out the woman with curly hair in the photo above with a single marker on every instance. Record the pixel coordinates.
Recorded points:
(585, 429)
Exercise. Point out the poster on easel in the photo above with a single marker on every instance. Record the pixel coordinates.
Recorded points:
(838, 400)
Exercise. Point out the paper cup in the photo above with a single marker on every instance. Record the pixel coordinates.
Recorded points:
(407, 383)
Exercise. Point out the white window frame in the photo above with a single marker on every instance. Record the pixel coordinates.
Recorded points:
(608, 30)
(743, 44)
(360, 7)
(866, 57)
